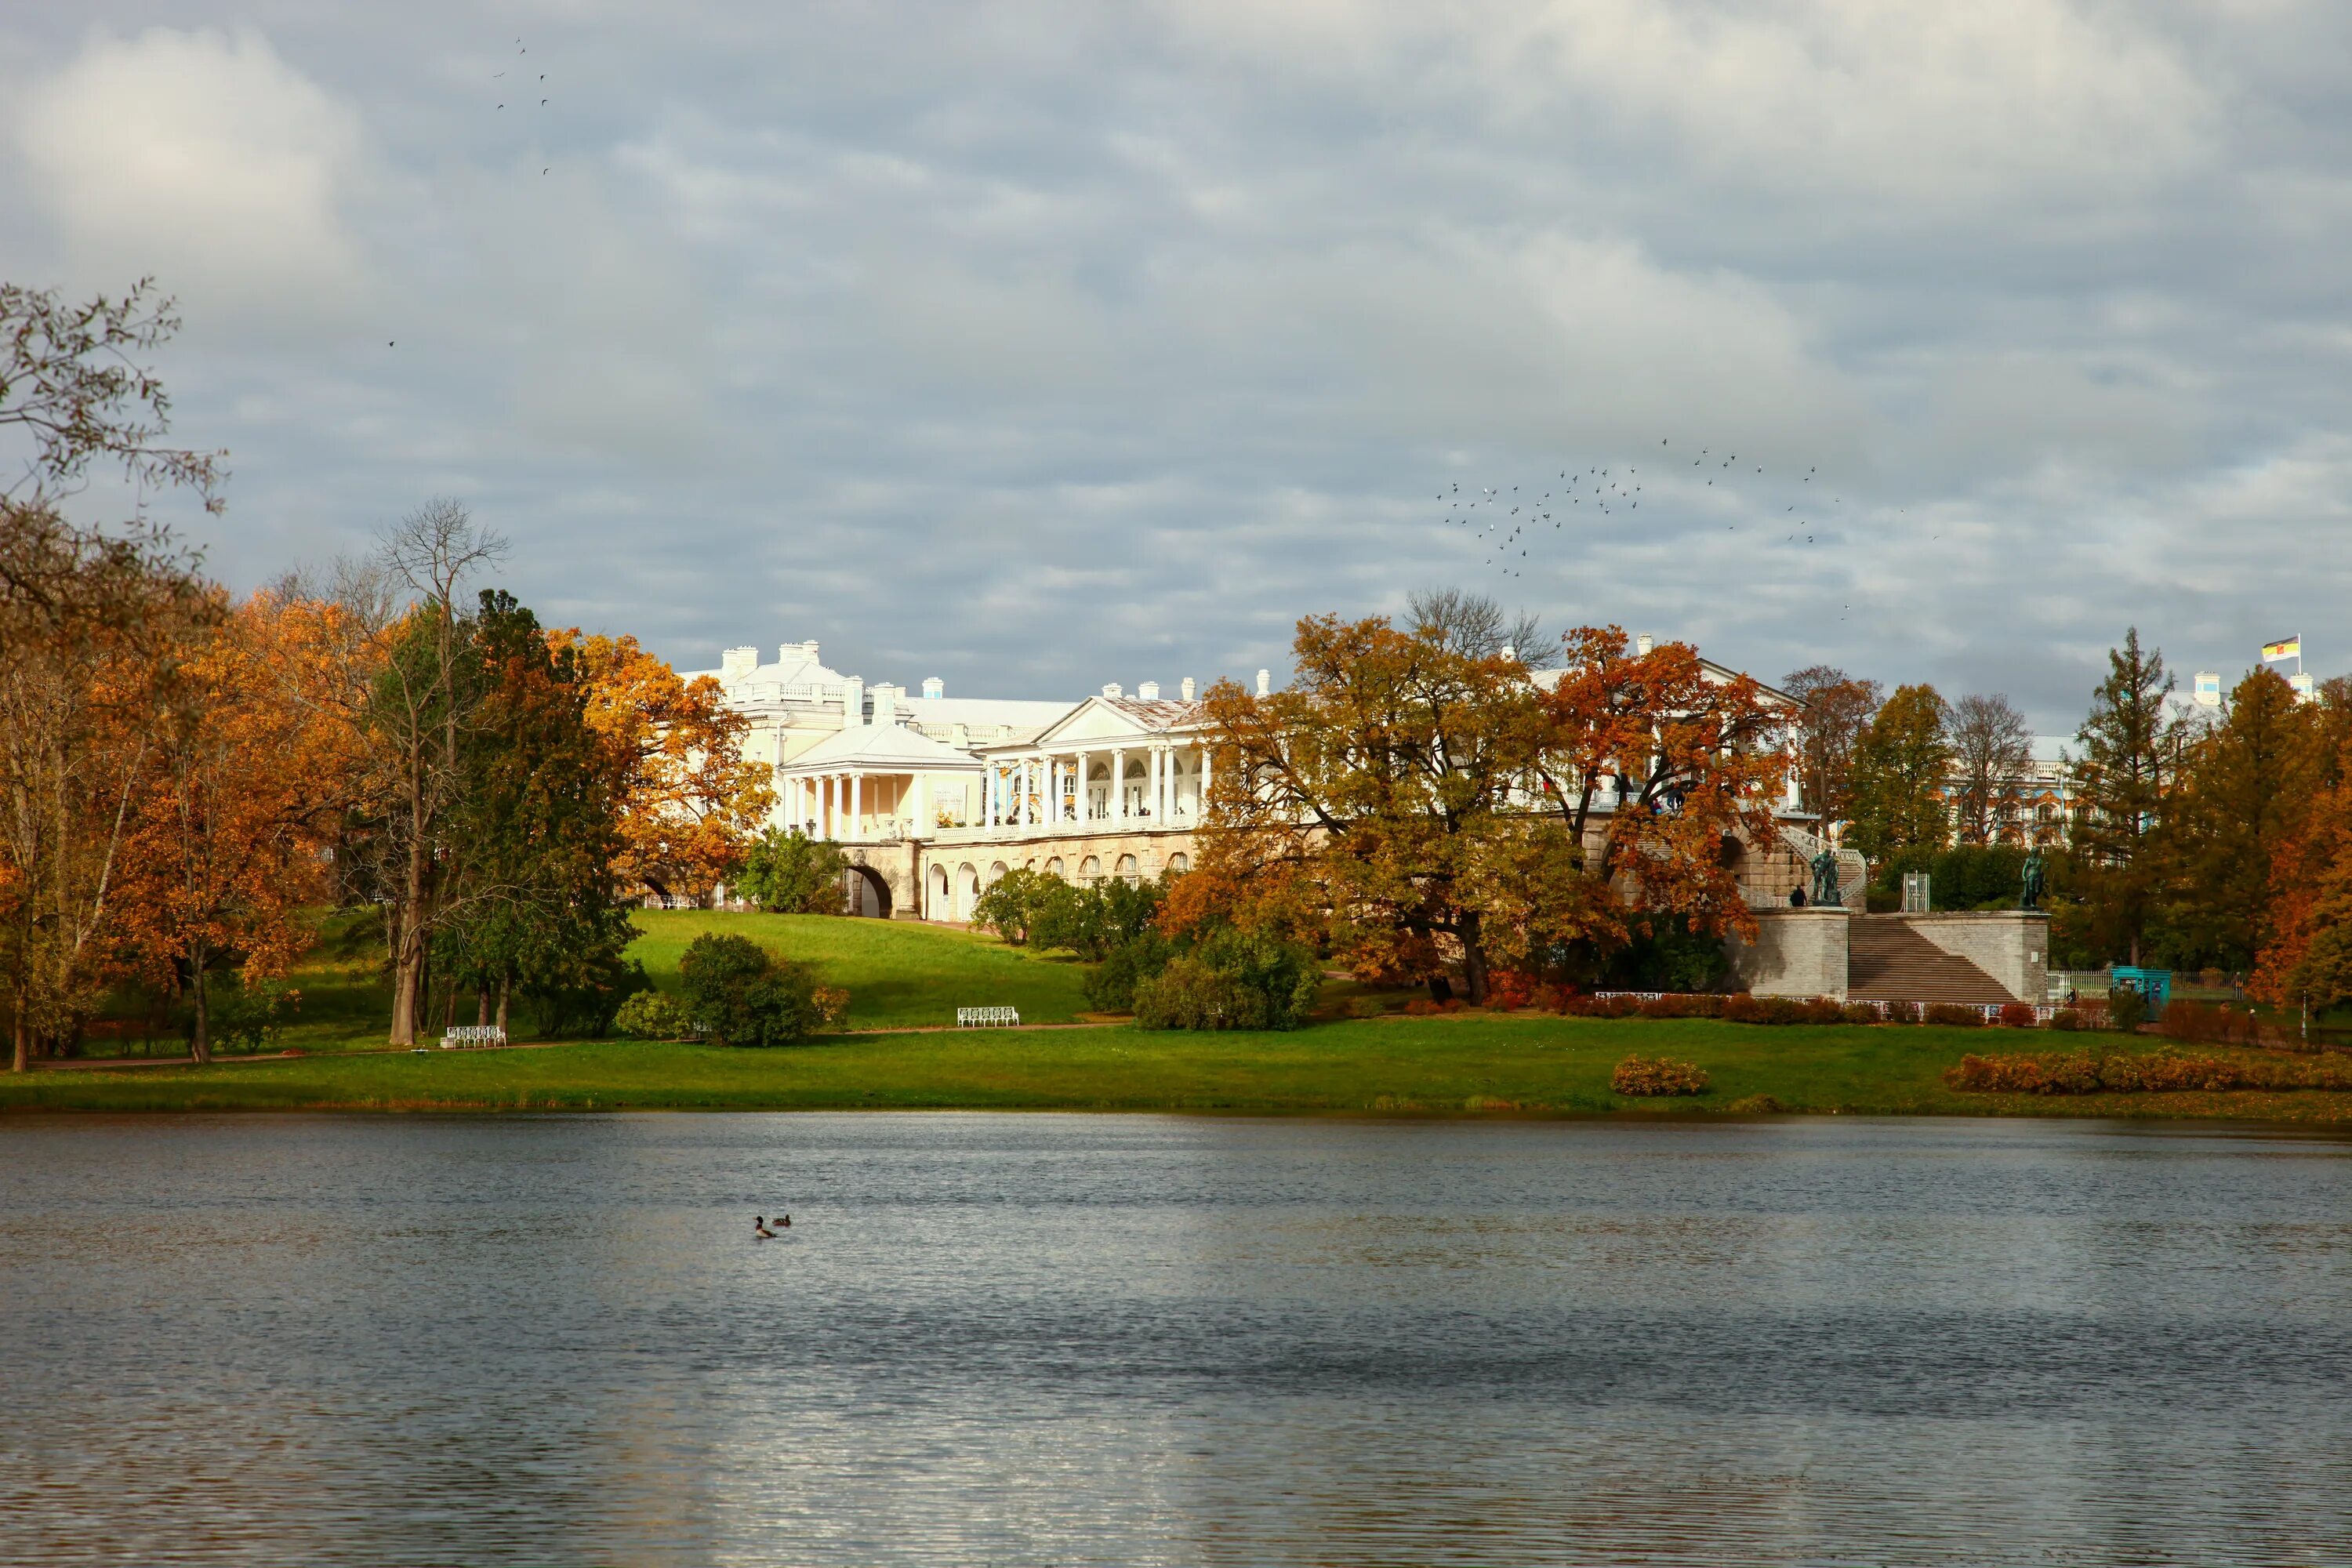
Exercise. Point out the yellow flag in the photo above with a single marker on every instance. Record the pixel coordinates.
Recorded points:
(2291, 647)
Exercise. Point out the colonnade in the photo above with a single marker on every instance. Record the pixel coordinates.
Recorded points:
(1046, 787)
(833, 805)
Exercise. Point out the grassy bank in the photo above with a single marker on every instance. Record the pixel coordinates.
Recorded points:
(898, 974)
(1449, 1065)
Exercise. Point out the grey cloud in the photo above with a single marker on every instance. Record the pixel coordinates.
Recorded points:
(1042, 346)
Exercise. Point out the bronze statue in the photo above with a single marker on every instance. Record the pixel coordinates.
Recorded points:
(2031, 898)
(1825, 880)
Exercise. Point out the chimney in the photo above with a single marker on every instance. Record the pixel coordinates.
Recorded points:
(853, 702)
(1266, 683)
(885, 704)
(1641, 643)
(934, 689)
(793, 652)
(1110, 689)
(1148, 690)
(737, 662)
(1186, 688)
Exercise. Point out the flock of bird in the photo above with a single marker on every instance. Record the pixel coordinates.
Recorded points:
(1507, 523)
(528, 87)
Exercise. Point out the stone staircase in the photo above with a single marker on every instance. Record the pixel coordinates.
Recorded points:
(1886, 961)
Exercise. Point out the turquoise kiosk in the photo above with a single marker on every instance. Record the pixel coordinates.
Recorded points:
(2154, 986)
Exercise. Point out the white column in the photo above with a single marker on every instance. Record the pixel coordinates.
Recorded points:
(1117, 785)
(922, 806)
(857, 805)
(1201, 814)
(1029, 818)
(828, 817)
(1160, 790)
(1085, 781)
(1054, 790)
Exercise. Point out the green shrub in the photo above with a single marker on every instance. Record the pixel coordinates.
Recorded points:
(744, 994)
(1233, 980)
(1953, 1015)
(2066, 1020)
(1645, 1077)
(1110, 986)
(2127, 1009)
(1366, 1007)
(787, 872)
(655, 1016)
(1859, 1013)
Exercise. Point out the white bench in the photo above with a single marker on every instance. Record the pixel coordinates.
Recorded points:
(987, 1017)
(473, 1037)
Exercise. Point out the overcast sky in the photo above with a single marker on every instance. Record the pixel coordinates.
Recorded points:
(1037, 346)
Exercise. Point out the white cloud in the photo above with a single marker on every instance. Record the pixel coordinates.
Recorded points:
(202, 157)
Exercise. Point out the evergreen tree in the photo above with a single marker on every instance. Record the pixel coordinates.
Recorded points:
(534, 905)
(1901, 769)
(2128, 752)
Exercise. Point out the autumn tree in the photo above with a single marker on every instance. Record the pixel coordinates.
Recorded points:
(1431, 804)
(1992, 752)
(2128, 752)
(2306, 956)
(690, 803)
(1834, 709)
(84, 612)
(1685, 760)
(1384, 781)
(2243, 789)
(1902, 768)
(225, 844)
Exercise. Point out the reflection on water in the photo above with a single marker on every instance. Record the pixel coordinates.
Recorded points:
(1057, 1338)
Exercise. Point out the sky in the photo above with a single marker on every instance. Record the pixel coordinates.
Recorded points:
(1037, 346)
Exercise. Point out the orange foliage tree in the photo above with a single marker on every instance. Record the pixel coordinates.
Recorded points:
(1381, 789)
(228, 840)
(2308, 958)
(1687, 761)
(690, 803)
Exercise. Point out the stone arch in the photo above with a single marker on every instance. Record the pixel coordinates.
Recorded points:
(937, 883)
(1179, 863)
(1126, 870)
(1053, 867)
(967, 891)
(865, 893)
(995, 874)
(1089, 869)
(1030, 864)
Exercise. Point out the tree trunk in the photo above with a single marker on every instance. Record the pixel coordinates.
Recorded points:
(23, 1040)
(482, 1006)
(502, 1004)
(200, 1048)
(1473, 960)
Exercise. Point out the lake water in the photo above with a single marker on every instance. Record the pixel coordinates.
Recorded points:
(1143, 1339)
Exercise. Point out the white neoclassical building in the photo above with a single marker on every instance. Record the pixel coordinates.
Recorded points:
(934, 797)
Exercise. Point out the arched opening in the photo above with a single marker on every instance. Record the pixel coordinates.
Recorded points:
(1126, 870)
(1179, 863)
(967, 891)
(865, 893)
(995, 873)
(938, 887)
(1090, 870)
(1053, 867)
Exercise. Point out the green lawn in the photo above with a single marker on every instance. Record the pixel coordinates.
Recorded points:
(1465, 1063)
(898, 974)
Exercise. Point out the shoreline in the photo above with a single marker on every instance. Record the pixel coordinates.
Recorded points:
(1461, 1067)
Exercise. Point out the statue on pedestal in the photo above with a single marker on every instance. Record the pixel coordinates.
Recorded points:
(2030, 896)
(1825, 880)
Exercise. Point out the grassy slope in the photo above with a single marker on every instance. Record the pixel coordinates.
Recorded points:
(899, 974)
(1448, 1064)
